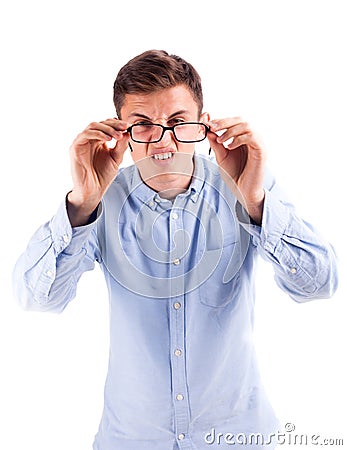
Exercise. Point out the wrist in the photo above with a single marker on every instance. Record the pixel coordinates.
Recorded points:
(255, 210)
(80, 210)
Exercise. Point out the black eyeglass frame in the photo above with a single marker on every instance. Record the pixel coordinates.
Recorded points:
(129, 130)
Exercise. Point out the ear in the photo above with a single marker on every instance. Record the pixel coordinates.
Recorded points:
(205, 117)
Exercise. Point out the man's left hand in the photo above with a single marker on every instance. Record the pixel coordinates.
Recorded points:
(241, 157)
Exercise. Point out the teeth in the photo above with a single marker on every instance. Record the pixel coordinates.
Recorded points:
(162, 155)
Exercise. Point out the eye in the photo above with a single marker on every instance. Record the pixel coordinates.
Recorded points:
(143, 122)
(176, 120)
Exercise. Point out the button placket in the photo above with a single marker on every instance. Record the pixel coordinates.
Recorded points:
(177, 327)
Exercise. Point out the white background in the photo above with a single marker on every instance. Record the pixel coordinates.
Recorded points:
(279, 64)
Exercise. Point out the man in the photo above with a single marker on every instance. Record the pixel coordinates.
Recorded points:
(176, 235)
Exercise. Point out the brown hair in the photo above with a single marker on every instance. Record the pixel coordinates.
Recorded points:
(152, 71)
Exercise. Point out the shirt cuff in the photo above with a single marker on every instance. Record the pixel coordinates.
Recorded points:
(275, 219)
(68, 239)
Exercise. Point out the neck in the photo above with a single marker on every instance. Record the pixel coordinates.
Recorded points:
(169, 188)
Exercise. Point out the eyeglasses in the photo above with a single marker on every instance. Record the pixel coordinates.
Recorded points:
(186, 132)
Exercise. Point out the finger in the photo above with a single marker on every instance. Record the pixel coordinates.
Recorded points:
(107, 129)
(117, 152)
(234, 131)
(117, 124)
(219, 149)
(91, 135)
(222, 124)
(244, 139)
(238, 141)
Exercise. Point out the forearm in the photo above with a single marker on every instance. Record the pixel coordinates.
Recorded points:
(256, 210)
(81, 211)
(304, 263)
(46, 275)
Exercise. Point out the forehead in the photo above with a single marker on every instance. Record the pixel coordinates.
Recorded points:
(160, 104)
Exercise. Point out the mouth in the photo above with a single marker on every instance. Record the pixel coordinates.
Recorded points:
(162, 156)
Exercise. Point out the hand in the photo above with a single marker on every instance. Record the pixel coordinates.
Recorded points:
(242, 159)
(94, 166)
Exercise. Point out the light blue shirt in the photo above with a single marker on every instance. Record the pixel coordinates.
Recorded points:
(180, 277)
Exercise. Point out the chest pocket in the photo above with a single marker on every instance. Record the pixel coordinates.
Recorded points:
(220, 273)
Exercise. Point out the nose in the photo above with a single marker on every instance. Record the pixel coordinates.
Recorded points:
(166, 140)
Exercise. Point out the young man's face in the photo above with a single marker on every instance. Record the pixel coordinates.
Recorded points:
(168, 163)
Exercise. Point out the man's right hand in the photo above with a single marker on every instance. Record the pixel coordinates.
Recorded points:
(94, 166)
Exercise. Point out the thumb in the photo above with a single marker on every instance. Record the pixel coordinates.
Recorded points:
(218, 148)
(117, 152)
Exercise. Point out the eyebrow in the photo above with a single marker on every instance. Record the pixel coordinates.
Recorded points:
(143, 116)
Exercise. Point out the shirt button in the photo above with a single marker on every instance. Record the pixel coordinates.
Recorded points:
(151, 204)
(179, 397)
(66, 238)
(293, 270)
(49, 273)
(174, 216)
(181, 437)
(178, 352)
(176, 262)
(177, 305)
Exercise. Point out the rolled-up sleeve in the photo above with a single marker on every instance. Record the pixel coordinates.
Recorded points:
(304, 262)
(46, 274)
